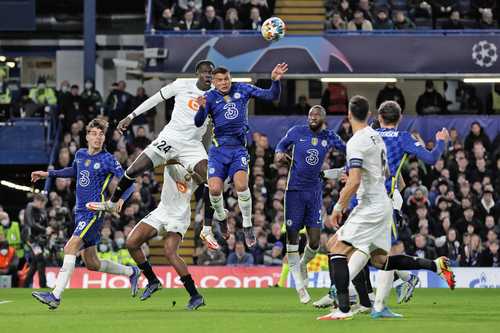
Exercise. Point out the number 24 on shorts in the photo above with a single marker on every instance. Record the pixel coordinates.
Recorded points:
(162, 145)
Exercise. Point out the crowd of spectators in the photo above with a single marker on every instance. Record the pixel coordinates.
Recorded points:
(451, 208)
(369, 15)
(202, 15)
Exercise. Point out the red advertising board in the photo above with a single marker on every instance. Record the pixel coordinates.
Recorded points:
(205, 277)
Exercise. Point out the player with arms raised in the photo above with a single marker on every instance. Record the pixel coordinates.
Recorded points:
(228, 156)
(93, 168)
(304, 195)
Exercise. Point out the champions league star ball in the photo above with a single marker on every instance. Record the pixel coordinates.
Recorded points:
(273, 29)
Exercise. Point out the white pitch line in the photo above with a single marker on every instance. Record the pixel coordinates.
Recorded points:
(5, 302)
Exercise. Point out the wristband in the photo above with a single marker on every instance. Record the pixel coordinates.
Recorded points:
(131, 116)
(338, 207)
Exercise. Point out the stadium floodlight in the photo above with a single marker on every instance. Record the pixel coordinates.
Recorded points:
(482, 80)
(3, 58)
(242, 79)
(359, 79)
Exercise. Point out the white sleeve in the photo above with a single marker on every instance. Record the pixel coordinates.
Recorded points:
(333, 173)
(170, 90)
(354, 154)
(147, 105)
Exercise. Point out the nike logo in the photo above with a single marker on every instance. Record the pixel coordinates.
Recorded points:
(217, 102)
(302, 140)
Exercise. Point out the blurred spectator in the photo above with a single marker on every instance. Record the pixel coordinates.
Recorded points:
(476, 134)
(140, 139)
(8, 261)
(35, 232)
(259, 250)
(211, 257)
(336, 22)
(382, 20)
(401, 22)
(487, 21)
(167, 21)
(335, 99)
(63, 90)
(422, 249)
(194, 5)
(71, 107)
(42, 96)
(420, 8)
(454, 23)
(345, 130)
(210, 21)
(470, 102)
(359, 22)
(247, 6)
(487, 205)
(189, 23)
(471, 253)
(493, 100)
(91, 101)
(345, 10)
(5, 100)
(430, 102)
(391, 93)
(118, 103)
(365, 7)
(451, 247)
(143, 120)
(478, 7)
(240, 257)
(11, 230)
(232, 21)
(490, 257)
(302, 107)
(442, 8)
(255, 21)
(273, 256)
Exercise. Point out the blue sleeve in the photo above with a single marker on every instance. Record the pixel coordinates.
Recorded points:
(286, 141)
(270, 94)
(201, 115)
(69, 172)
(414, 147)
(115, 168)
(336, 141)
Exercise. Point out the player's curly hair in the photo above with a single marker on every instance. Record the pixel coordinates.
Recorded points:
(98, 123)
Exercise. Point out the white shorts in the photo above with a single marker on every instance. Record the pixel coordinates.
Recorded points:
(163, 221)
(368, 227)
(188, 153)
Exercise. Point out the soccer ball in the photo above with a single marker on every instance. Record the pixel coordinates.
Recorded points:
(273, 29)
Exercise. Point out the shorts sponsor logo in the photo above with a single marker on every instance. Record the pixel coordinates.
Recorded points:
(81, 225)
(211, 171)
(244, 161)
(182, 187)
(289, 222)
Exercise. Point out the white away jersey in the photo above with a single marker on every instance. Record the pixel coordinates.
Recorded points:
(181, 126)
(366, 150)
(176, 192)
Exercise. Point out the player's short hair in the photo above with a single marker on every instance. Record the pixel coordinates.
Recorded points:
(98, 123)
(220, 70)
(359, 107)
(203, 62)
(320, 108)
(39, 197)
(390, 111)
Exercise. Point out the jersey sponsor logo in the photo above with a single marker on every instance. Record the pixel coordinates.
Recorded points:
(231, 111)
(81, 225)
(97, 166)
(84, 179)
(313, 157)
(193, 105)
(314, 141)
(182, 187)
(324, 143)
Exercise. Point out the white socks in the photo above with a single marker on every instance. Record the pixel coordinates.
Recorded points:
(64, 275)
(294, 263)
(115, 268)
(384, 286)
(245, 204)
(403, 275)
(217, 202)
(356, 263)
(308, 255)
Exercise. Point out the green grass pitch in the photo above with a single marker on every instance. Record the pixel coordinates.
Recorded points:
(241, 310)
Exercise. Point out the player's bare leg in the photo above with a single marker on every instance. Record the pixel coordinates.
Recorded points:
(292, 253)
(171, 246)
(142, 233)
(240, 180)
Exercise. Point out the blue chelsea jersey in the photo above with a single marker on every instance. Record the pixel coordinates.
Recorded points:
(309, 150)
(229, 111)
(400, 143)
(93, 174)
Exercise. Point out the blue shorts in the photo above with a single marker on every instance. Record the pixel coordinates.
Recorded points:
(224, 161)
(394, 229)
(303, 209)
(88, 228)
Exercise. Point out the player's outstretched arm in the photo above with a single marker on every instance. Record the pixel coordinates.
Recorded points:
(69, 172)
(37, 175)
(351, 186)
(429, 157)
(282, 146)
(145, 106)
(273, 93)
